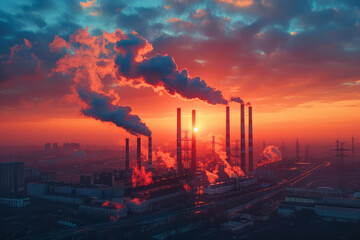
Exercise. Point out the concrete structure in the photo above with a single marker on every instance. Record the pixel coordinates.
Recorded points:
(11, 177)
(227, 140)
(37, 189)
(243, 222)
(127, 158)
(64, 189)
(178, 143)
(242, 138)
(15, 202)
(156, 200)
(107, 209)
(138, 152)
(89, 191)
(150, 153)
(55, 147)
(229, 185)
(251, 158)
(69, 199)
(327, 208)
(42, 190)
(193, 143)
(47, 147)
(219, 187)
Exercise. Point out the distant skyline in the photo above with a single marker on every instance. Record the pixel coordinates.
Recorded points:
(297, 62)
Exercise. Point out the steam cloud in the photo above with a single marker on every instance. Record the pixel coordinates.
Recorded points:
(272, 154)
(161, 71)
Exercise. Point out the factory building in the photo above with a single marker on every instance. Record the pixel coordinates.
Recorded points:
(15, 202)
(111, 210)
(326, 208)
(155, 199)
(229, 185)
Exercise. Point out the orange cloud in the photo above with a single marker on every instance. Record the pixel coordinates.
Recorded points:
(173, 20)
(88, 4)
(238, 3)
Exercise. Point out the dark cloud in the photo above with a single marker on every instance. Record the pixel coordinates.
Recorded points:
(161, 71)
(99, 106)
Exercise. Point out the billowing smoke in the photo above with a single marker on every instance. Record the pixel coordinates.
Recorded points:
(211, 176)
(99, 106)
(99, 64)
(90, 60)
(236, 99)
(161, 71)
(221, 159)
(141, 177)
(164, 158)
(271, 154)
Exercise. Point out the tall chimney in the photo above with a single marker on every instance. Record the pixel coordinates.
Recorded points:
(150, 153)
(127, 158)
(138, 153)
(178, 143)
(193, 143)
(242, 137)
(228, 134)
(251, 160)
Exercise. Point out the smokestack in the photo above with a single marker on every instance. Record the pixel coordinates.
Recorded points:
(251, 160)
(178, 143)
(150, 153)
(242, 137)
(127, 158)
(193, 143)
(138, 153)
(298, 150)
(228, 134)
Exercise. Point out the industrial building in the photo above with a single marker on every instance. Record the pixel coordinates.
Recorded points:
(11, 177)
(15, 202)
(106, 209)
(330, 208)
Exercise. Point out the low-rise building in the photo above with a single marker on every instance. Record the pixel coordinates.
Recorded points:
(15, 202)
(327, 208)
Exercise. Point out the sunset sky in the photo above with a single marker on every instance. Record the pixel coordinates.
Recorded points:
(296, 62)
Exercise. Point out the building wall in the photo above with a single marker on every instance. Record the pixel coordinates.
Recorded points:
(36, 189)
(11, 177)
(14, 202)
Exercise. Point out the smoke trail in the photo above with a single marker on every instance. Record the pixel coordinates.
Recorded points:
(161, 71)
(100, 107)
(272, 154)
(89, 60)
(99, 62)
(236, 99)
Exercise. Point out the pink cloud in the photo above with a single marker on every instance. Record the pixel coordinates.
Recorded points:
(88, 4)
